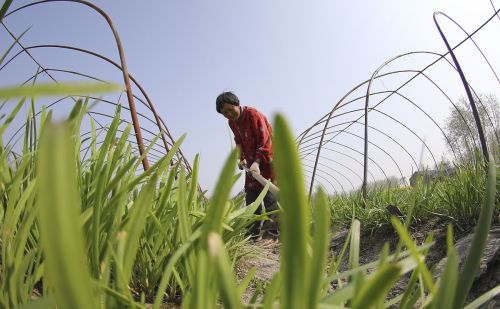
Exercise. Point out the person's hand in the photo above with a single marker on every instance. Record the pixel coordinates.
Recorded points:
(242, 164)
(255, 167)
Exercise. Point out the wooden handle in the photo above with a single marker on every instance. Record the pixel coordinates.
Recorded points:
(272, 188)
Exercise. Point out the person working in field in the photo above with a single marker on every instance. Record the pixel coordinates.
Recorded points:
(252, 134)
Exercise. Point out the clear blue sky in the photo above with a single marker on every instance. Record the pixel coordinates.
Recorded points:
(293, 57)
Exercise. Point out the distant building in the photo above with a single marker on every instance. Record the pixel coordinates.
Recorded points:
(431, 175)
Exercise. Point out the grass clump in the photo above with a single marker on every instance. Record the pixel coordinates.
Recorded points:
(95, 229)
(454, 199)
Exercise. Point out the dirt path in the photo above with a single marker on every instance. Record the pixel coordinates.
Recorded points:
(264, 256)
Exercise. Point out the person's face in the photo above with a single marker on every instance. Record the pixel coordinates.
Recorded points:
(231, 112)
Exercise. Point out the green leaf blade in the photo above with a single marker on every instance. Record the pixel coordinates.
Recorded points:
(295, 217)
(59, 206)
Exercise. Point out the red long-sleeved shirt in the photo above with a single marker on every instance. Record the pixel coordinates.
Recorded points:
(252, 132)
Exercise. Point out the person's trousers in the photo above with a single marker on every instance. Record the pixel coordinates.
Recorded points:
(269, 203)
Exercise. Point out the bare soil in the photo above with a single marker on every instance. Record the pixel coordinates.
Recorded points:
(265, 256)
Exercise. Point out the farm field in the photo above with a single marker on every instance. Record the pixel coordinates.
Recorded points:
(82, 233)
(96, 214)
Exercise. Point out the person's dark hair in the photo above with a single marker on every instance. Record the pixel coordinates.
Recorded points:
(226, 97)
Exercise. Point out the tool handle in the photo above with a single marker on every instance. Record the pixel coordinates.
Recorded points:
(272, 187)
